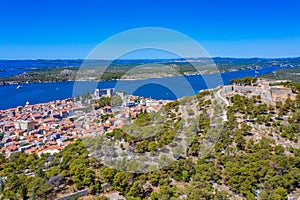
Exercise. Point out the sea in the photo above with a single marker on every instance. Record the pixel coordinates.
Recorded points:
(169, 88)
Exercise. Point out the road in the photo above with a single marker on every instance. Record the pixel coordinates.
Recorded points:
(218, 93)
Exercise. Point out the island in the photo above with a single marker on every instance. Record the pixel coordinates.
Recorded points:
(102, 70)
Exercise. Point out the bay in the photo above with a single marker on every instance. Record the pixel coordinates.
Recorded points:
(157, 88)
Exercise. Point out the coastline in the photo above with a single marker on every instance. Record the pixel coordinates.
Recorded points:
(155, 76)
(54, 90)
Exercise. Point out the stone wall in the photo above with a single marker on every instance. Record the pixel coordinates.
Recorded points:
(75, 194)
(281, 93)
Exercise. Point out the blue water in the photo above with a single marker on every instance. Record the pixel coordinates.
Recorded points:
(164, 88)
(13, 67)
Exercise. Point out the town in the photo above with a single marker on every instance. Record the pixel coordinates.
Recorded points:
(49, 127)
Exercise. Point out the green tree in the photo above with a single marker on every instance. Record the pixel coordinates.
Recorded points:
(280, 194)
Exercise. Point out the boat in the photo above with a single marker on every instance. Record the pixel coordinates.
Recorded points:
(19, 87)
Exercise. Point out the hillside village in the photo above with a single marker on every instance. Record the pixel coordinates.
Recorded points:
(49, 127)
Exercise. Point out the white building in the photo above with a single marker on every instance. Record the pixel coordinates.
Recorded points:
(24, 125)
(104, 92)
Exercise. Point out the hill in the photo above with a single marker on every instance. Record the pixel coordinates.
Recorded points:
(256, 155)
(292, 74)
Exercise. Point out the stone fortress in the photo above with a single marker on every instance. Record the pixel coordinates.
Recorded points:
(266, 89)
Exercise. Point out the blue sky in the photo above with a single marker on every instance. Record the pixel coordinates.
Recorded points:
(72, 28)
